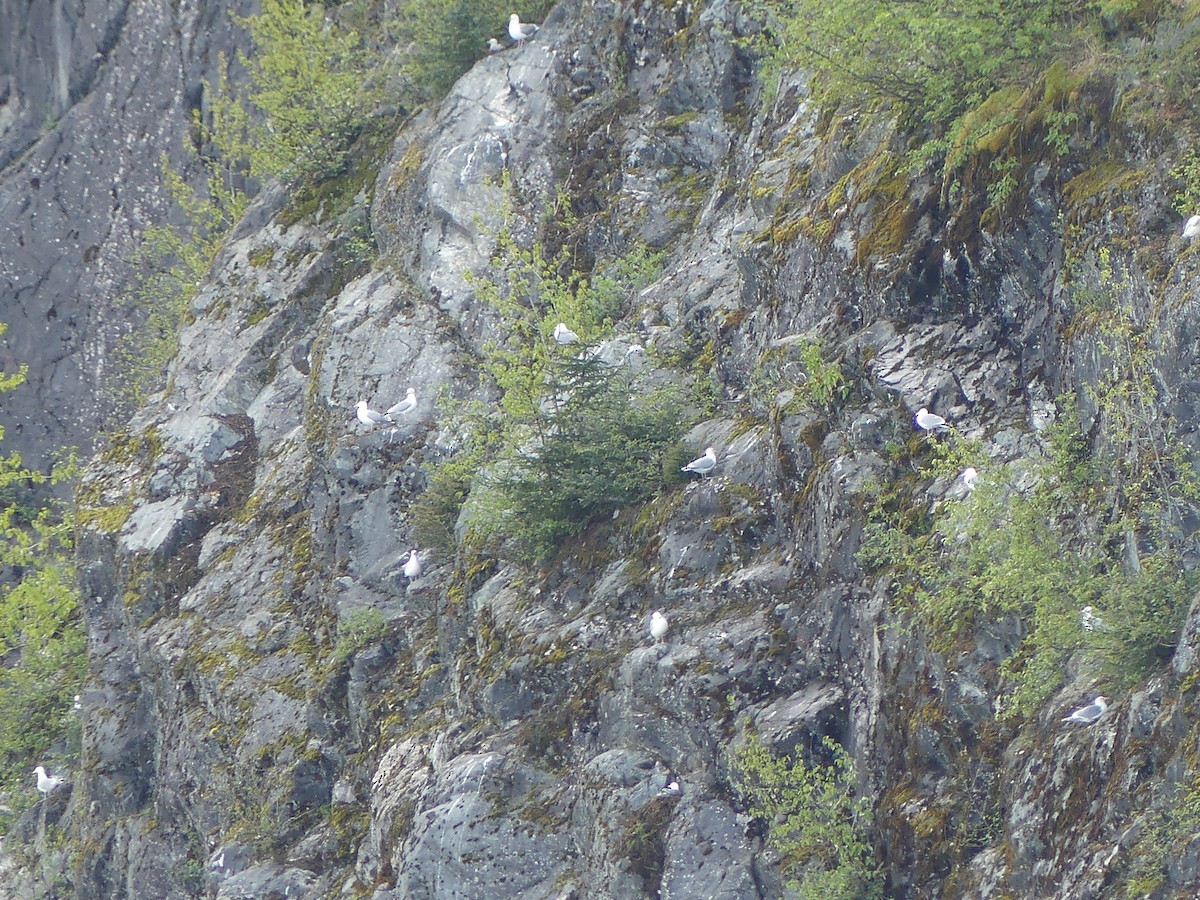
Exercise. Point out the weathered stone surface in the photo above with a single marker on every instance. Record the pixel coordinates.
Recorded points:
(274, 708)
(92, 95)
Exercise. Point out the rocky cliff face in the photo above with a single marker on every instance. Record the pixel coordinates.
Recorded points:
(511, 729)
(92, 96)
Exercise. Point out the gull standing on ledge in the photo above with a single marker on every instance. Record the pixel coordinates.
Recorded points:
(407, 405)
(930, 422)
(1086, 715)
(46, 783)
(1192, 229)
(970, 478)
(564, 335)
(412, 568)
(658, 625)
(703, 465)
(494, 46)
(518, 30)
(369, 417)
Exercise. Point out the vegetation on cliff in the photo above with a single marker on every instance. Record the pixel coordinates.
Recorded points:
(1097, 516)
(41, 629)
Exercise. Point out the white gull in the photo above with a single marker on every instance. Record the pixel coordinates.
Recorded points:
(1086, 715)
(703, 465)
(928, 421)
(518, 30)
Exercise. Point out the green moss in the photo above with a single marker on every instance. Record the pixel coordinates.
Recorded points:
(261, 257)
(693, 189)
(679, 121)
(989, 127)
(895, 212)
(256, 315)
(107, 519)
(407, 167)
(785, 232)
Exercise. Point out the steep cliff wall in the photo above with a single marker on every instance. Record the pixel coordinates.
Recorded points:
(275, 709)
(93, 94)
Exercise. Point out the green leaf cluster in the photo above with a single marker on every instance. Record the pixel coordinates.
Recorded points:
(41, 634)
(569, 438)
(357, 630)
(593, 447)
(1167, 828)
(932, 61)
(446, 37)
(803, 369)
(1033, 544)
(814, 820)
(315, 84)
(979, 88)
(172, 260)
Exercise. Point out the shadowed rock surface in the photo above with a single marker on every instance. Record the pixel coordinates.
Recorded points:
(93, 94)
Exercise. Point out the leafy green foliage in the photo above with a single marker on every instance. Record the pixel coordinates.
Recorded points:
(448, 36)
(357, 630)
(310, 98)
(1152, 480)
(933, 61)
(803, 369)
(41, 636)
(980, 89)
(1167, 828)
(1031, 551)
(814, 821)
(1098, 522)
(435, 512)
(569, 439)
(1186, 198)
(593, 448)
(314, 86)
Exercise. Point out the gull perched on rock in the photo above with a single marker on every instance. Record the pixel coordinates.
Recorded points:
(564, 335)
(518, 30)
(1086, 715)
(407, 405)
(703, 465)
(412, 568)
(930, 422)
(658, 625)
(369, 417)
(46, 783)
(970, 478)
(494, 46)
(1191, 230)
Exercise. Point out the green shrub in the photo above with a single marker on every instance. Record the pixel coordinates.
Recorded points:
(448, 36)
(1029, 552)
(314, 86)
(814, 821)
(1098, 521)
(594, 448)
(357, 630)
(802, 368)
(435, 512)
(41, 633)
(932, 61)
(172, 260)
(569, 439)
